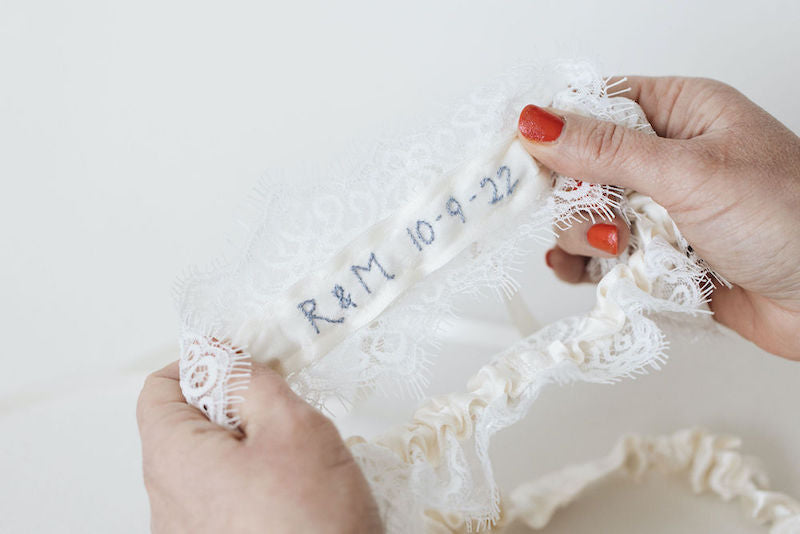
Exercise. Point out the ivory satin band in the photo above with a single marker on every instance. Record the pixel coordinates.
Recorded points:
(393, 255)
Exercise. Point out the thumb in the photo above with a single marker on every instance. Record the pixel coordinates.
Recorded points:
(598, 151)
(269, 404)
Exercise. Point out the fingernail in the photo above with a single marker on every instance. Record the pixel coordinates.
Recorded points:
(539, 125)
(603, 237)
(547, 258)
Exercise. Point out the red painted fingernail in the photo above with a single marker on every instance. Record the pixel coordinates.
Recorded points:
(603, 237)
(539, 125)
(547, 258)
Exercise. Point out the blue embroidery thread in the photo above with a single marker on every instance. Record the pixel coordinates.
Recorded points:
(368, 268)
(509, 186)
(457, 211)
(312, 318)
(431, 237)
(495, 197)
(413, 239)
(424, 233)
(344, 300)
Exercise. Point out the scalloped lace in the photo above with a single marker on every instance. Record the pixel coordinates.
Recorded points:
(436, 468)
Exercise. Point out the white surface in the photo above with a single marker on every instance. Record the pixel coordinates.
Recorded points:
(129, 132)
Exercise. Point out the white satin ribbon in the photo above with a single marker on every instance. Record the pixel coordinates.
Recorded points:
(349, 290)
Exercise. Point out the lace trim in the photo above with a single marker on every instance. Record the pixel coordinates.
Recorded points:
(440, 464)
(711, 463)
(293, 225)
(440, 461)
(211, 374)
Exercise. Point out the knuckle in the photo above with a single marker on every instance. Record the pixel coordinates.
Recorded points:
(718, 96)
(705, 160)
(150, 380)
(603, 142)
(716, 85)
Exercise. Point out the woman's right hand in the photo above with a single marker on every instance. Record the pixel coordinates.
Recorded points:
(727, 172)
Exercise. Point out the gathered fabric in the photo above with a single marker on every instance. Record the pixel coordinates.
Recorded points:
(710, 463)
(344, 284)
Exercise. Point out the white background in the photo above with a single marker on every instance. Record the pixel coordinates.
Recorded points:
(130, 132)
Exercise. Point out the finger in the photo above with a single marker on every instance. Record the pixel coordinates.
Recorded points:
(684, 108)
(568, 267)
(162, 409)
(268, 403)
(600, 151)
(758, 319)
(658, 96)
(601, 238)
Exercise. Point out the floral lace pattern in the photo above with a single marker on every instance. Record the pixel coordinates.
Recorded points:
(392, 353)
(211, 374)
(445, 447)
(434, 473)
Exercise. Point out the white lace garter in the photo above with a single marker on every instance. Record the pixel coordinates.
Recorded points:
(344, 284)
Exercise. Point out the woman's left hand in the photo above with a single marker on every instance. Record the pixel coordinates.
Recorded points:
(287, 470)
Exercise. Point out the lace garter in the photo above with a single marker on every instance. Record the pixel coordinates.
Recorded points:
(345, 284)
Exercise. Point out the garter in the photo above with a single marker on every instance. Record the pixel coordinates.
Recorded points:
(344, 285)
(711, 463)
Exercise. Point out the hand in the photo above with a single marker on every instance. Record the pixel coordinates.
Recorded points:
(727, 172)
(286, 471)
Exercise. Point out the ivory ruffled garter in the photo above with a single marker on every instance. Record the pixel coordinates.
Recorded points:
(344, 285)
